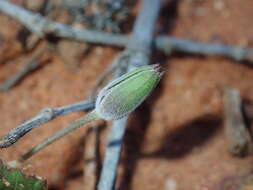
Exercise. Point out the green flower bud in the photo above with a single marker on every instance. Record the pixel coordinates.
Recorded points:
(121, 96)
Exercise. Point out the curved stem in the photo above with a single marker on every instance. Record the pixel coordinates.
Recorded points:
(77, 124)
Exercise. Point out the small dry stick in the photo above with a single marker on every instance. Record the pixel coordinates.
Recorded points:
(44, 116)
(31, 65)
(34, 39)
(237, 53)
(237, 134)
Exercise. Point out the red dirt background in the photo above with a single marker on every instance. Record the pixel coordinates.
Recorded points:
(175, 140)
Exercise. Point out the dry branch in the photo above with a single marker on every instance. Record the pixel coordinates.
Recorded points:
(30, 66)
(237, 134)
(43, 26)
(236, 53)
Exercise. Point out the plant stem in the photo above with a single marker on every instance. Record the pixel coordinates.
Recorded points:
(77, 124)
(44, 116)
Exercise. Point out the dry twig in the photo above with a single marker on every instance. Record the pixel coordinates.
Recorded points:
(238, 136)
(42, 26)
(168, 44)
(31, 65)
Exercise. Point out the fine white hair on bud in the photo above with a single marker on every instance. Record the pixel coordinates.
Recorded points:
(124, 94)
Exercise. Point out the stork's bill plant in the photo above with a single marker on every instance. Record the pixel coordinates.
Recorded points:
(115, 101)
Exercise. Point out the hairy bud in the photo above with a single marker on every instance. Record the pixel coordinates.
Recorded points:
(121, 96)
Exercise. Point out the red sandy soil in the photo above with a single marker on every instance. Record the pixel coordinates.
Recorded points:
(175, 140)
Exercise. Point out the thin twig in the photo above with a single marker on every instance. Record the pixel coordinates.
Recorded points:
(238, 136)
(30, 66)
(46, 9)
(44, 116)
(137, 54)
(168, 44)
(112, 155)
(43, 26)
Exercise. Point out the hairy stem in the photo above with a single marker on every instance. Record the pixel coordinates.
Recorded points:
(77, 124)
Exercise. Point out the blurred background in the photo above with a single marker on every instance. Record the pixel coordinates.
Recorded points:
(193, 132)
